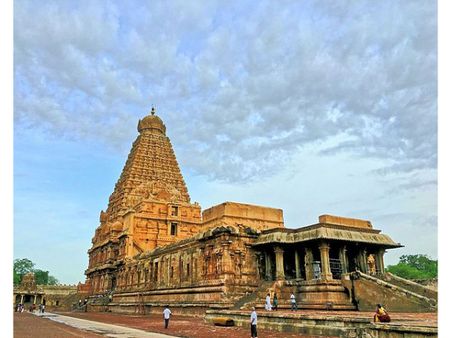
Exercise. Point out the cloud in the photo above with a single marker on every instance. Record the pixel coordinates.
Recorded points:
(242, 86)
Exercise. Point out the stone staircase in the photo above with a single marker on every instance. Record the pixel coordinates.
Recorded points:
(324, 295)
(320, 295)
(256, 298)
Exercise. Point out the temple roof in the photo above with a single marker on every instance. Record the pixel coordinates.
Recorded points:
(328, 232)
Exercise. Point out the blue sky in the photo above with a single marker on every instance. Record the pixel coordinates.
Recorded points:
(312, 107)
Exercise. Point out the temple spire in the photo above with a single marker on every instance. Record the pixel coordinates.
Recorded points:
(150, 167)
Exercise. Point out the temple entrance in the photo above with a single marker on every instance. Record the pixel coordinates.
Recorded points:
(289, 264)
(316, 265)
(335, 262)
(335, 268)
(266, 264)
(352, 253)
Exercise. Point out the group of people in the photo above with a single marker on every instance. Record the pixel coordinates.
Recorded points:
(32, 308)
(275, 303)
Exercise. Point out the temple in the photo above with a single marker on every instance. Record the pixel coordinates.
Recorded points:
(154, 247)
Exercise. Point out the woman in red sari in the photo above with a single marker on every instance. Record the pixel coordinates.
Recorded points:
(381, 315)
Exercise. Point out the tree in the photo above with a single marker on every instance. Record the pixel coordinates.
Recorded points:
(415, 267)
(41, 277)
(24, 266)
(21, 267)
(52, 280)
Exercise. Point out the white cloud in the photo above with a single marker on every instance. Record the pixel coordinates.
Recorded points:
(209, 68)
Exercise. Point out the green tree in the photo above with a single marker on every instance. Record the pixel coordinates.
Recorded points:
(24, 266)
(21, 267)
(41, 277)
(52, 280)
(415, 267)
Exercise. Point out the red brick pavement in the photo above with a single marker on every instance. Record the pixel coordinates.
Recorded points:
(181, 326)
(27, 325)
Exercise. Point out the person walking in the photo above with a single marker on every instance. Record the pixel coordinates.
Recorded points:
(166, 315)
(254, 323)
(294, 306)
(268, 303)
(275, 302)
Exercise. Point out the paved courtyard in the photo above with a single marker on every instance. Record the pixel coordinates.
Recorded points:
(92, 324)
(50, 326)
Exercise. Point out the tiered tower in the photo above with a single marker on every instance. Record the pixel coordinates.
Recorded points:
(149, 207)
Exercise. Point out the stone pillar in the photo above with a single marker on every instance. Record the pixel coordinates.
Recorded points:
(308, 264)
(280, 273)
(344, 260)
(380, 262)
(227, 264)
(34, 299)
(325, 263)
(21, 299)
(267, 266)
(296, 264)
(363, 261)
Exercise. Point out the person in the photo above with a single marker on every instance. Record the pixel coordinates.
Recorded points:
(166, 315)
(294, 306)
(275, 302)
(253, 323)
(381, 315)
(43, 308)
(268, 303)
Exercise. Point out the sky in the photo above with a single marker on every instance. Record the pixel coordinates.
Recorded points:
(315, 107)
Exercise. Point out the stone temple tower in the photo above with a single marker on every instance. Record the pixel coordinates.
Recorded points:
(149, 207)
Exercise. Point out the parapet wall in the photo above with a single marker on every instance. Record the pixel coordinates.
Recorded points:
(231, 213)
(352, 222)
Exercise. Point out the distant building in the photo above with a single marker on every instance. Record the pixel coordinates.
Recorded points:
(52, 296)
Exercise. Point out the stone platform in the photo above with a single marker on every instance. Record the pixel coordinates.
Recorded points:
(336, 323)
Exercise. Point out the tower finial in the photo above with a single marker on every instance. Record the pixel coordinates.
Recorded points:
(153, 110)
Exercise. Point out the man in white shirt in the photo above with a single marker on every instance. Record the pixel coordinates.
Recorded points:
(254, 323)
(166, 315)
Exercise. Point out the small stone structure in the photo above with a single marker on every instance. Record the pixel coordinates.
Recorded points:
(52, 296)
(154, 247)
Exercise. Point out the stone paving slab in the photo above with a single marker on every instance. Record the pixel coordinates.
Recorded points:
(108, 330)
